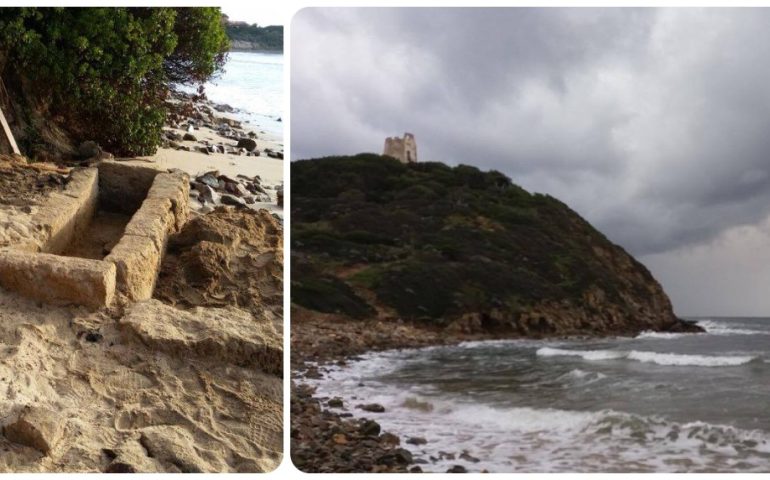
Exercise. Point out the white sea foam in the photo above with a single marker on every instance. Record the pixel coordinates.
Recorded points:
(677, 359)
(664, 335)
(718, 328)
(689, 360)
(554, 440)
(502, 343)
(583, 376)
(507, 437)
(584, 354)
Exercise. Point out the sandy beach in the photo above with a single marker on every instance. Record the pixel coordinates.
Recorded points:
(196, 163)
(187, 381)
(141, 297)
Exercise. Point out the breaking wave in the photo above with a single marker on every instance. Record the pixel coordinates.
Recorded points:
(669, 335)
(717, 328)
(668, 359)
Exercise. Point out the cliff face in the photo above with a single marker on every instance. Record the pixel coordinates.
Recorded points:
(460, 249)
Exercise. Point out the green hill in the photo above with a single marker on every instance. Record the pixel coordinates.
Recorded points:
(253, 37)
(458, 247)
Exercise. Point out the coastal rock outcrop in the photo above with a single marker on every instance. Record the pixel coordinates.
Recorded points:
(461, 250)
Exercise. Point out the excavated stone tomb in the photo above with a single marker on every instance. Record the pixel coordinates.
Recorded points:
(102, 239)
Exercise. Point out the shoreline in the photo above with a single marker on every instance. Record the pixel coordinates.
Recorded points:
(325, 436)
(328, 439)
(256, 50)
(202, 136)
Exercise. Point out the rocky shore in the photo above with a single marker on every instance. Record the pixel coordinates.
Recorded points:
(324, 435)
(230, 162)
(191, 112)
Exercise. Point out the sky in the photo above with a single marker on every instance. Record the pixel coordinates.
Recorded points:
(263, 14)
(653, 124)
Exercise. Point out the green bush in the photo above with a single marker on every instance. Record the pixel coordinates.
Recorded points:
(201, 45)
(103, 73)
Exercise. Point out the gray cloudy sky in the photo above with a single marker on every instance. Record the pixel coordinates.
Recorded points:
(654, 124)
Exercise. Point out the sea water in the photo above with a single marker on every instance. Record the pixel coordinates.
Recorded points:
(659, 402)
(253, 83)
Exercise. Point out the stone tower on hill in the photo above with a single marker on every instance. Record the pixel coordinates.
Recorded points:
(404, 149)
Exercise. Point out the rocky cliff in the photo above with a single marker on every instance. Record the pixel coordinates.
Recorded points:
(460, 250)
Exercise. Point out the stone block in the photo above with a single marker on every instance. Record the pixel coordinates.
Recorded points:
(137, 262)
(155, 220)
(174, 186)
(223, 334)
(58, 280)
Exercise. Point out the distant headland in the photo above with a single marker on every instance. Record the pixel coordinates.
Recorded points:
(244, 36)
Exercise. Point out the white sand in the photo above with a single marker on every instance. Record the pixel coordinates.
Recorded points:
(270, 170)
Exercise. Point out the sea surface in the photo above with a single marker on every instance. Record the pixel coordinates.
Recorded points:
(253, 83)
(655, 403)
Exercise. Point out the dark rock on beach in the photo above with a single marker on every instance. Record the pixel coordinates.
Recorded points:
(248, 144)
(457, 469)
(416, 441)
(325, 442)
(372, 407)
(239, 191)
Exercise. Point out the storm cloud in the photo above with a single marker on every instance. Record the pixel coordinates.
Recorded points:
(654, 124)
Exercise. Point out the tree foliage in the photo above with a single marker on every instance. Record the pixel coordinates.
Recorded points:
(267, 38)
(201, 45)
(103, 73)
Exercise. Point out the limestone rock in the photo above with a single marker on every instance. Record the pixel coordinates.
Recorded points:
(173, 447)
(175, 187)
(153, 220)
(66, 214)
(131, 457)
(227, 334)
(58, 280)
(36, 427)
(137, 260)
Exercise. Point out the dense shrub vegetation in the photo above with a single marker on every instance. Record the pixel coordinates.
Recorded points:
(102, 73)
(433, 242)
